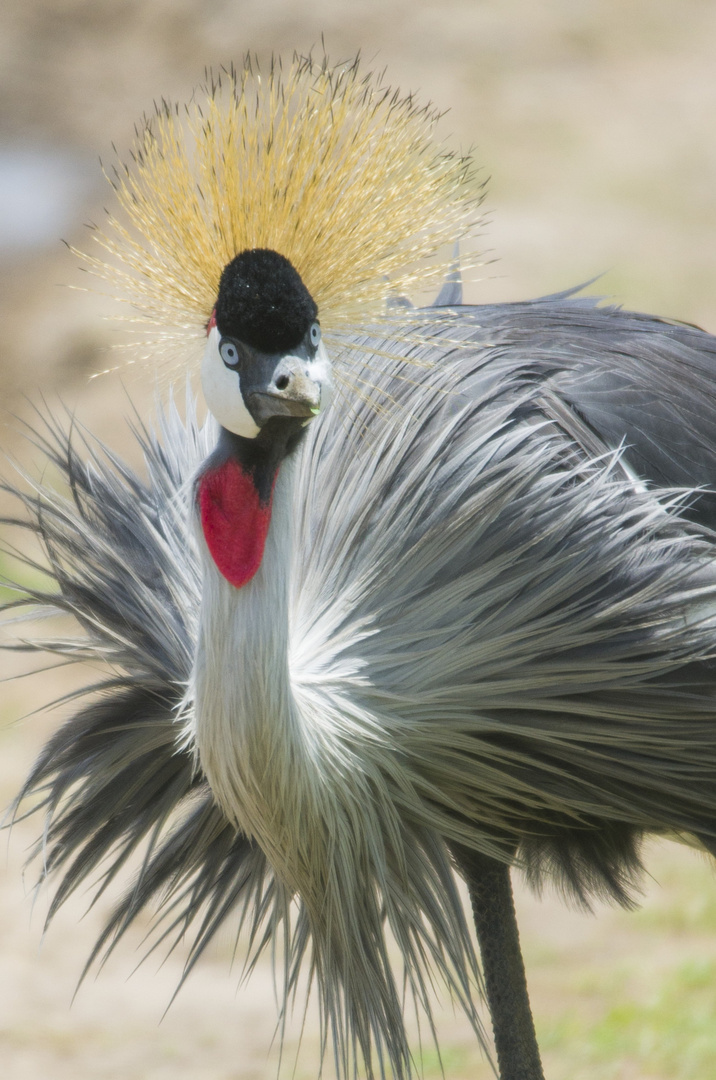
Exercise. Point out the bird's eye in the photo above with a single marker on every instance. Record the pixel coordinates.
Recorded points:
(315, 334)
(228, 352)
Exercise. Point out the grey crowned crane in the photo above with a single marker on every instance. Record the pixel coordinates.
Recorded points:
(462, 621)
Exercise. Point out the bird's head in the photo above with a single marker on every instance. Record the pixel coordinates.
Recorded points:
(265, 375)
(265, 366)
(328, 166)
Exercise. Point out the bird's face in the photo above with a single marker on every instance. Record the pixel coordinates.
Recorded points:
(264, 358)
(244, 387)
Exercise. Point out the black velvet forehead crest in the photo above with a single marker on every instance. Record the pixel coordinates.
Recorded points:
(263, 302)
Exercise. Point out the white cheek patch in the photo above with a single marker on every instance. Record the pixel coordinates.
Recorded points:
(222, 391)
(319, 371)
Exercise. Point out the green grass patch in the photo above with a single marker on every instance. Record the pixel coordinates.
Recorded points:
(669, 1032)
(16, 578)
(686, 902)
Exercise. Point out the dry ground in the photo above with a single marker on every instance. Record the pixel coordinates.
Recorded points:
(595, 120)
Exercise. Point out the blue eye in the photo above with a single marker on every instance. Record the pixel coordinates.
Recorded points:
(228, 352)
(315, 334)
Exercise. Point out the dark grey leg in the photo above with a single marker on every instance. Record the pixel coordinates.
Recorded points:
(503, 968)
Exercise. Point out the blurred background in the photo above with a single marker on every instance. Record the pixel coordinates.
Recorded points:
(595, 123)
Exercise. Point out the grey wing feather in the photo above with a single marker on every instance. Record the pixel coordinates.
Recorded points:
(635, 380)
(519, 612)
(113, 779)
(450, 294)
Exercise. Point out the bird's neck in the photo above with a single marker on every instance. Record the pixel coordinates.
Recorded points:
(303, 770)
(247, 733)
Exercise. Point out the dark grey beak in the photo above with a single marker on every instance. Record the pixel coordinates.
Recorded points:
(279, 386)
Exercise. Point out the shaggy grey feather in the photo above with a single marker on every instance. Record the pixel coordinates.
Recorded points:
(515, 636)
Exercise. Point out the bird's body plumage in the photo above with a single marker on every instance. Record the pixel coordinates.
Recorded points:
(486, 622)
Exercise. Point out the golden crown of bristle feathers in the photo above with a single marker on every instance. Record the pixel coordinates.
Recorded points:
(322, 163)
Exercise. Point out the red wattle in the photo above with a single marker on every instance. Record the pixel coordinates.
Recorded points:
(234, 521)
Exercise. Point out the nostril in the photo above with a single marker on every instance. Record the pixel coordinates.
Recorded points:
(282, 382)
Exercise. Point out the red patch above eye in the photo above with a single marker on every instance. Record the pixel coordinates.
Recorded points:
(234, 521)
(211, 323)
